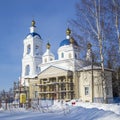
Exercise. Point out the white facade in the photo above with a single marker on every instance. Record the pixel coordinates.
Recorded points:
(68, 52)
(48, 56)
(68, 55)
(34, 61)
(35, 64)
(68, 49)
(91, 88)
(32, 55)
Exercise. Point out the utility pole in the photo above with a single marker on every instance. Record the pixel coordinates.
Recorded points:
(90, 58)
(92, 76)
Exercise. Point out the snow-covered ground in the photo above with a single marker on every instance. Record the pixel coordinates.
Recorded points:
(64, 111)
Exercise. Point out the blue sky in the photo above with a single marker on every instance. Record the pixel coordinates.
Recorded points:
(51, 18)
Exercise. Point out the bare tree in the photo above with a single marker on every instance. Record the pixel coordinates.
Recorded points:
(97, 21)
(93, 23)
(116, 11)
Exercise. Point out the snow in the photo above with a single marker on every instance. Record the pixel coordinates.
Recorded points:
(61, 110)
(106, 107)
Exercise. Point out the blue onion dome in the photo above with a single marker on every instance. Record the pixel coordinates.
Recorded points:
(33, 31)
(69, 40)
(34, 34)
(65, 42)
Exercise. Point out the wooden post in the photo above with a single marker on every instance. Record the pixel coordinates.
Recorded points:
(6, 104)
(29, 103)
(38, 101)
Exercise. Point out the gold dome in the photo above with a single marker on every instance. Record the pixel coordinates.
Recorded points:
(68, 31)
(33, 23)
(72, 40)
(89, 45)
(48, 45)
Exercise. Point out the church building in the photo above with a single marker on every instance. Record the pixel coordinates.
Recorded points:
(67, 77)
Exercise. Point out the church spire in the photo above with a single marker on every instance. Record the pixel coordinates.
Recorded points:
(33, 23)
(89, 52)
(48, 45)
(68, 33)
(33, 27)
(72, 40)
(48, 56)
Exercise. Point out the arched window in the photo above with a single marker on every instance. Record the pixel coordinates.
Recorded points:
(37, 50)
(75, 55)
(62, 55)
(37, 69)
(51, 59)
(27, 70)
(28, 49)
(45, 60)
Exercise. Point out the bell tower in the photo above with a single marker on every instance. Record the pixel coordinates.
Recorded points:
(32, 55)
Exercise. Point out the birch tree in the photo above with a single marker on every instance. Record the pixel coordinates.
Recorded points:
(91, 22)
(114, 49)
(116, 14)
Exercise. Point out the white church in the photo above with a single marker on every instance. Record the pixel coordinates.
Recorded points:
(67, 77)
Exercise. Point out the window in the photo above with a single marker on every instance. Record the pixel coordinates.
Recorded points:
(28, 49)
(86, 90)
(37, 69)
(37, 50)
(75, 55)
(51, 59)
(27, 70)
(62, 55)
(45, 60)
